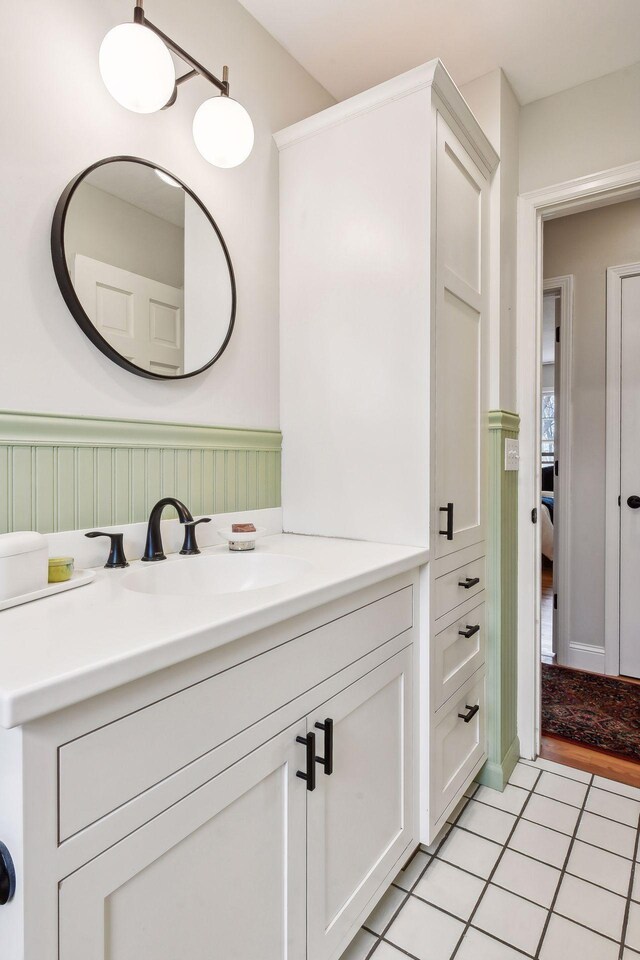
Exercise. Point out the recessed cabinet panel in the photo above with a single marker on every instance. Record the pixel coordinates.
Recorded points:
(456, 586)
(459, 650)
(458, 744)
(360, 817)
(461, 305)
(186, 884)
(460, 228)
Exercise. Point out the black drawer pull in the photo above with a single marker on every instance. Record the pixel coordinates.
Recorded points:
(310, 776)
(448, 533)
(469, 632)
(327, 760)
(468, 582)
(472, 712)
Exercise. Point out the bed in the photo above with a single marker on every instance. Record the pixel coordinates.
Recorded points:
(546, 512)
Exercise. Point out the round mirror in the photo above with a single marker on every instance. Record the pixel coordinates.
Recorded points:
(143, 269)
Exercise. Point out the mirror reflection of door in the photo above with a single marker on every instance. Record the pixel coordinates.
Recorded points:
(148, 268)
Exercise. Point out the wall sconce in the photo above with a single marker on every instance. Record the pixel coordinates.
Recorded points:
(138, 72)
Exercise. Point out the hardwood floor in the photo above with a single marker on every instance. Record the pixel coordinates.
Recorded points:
(546, 613)
(593, 761)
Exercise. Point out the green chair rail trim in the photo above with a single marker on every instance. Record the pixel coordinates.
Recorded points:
(44, 428)
(67, 473)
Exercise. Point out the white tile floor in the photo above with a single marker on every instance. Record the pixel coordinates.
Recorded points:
(548, 870)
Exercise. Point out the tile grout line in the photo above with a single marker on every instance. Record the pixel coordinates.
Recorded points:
(408, 893)
(493, 871)
(563, 870)
(468, 924)
(627, 909)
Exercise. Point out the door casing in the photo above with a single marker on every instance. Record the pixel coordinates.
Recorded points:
(571, 196)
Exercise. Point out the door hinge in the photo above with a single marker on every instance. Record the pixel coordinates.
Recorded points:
(555, 601)
(557, 334)
(555, 468)
(619, 500)
(534, 515)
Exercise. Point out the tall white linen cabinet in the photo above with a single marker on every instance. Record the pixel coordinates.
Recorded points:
(384, 251)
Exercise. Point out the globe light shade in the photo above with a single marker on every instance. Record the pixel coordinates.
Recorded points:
(223, 132)
(137, 68)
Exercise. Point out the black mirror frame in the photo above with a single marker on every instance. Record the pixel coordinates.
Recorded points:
(71, 298)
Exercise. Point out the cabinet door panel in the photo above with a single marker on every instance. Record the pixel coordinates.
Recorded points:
(359, 818)
(461, 307)
(218, 876)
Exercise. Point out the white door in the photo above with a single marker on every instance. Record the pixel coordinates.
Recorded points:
(218, 876)
(461, 305)
(360, 816)
(141, 318)
(630, 478)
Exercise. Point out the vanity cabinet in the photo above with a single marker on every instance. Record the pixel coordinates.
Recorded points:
(220, 873)
(384, 259)
(232, 865)
(252, 803)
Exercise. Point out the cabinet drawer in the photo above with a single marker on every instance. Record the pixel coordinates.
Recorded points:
(109, 766)
(458, 585)
(457, 657)
(458, 746)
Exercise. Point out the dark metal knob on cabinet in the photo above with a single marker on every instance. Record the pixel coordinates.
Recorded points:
(327, 760)
(7, 875)
(310, 773)
(633, 502)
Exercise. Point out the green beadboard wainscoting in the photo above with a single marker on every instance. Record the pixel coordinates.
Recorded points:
(502, 583)
(66, 473)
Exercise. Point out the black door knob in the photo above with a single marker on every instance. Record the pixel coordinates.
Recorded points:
(7, 876)
(634, 502)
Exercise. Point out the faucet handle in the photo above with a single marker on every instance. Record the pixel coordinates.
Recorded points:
(116, 553)
(190, 547)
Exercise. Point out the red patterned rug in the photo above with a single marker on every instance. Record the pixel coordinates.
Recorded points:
(601, 712)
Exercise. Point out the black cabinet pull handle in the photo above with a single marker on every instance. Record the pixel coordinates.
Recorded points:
(310, 776)
(469, 632)
(471, 714)
(327, 760)
(468, 582)
(116, 554)
(7, 876)
(633, 502)
(448, 533)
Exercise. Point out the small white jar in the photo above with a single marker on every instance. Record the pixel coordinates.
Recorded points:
(24, 563)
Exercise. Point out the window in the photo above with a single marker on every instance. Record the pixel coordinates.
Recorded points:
(548, 427)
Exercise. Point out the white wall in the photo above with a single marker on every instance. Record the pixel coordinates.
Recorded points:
(109, 229)
(580, 131)
(497, 110)
(584, 245)
(57, 119)
(207, 291)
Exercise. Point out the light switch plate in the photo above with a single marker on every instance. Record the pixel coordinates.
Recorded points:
(511, 454)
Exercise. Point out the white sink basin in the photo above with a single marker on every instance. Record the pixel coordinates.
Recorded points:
(207, 576)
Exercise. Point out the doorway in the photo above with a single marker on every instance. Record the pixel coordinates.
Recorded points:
(535, 210)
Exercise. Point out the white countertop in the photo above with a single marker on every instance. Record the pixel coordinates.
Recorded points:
(63, 649)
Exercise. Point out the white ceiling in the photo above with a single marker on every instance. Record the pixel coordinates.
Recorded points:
(140, 186)
(543, 46)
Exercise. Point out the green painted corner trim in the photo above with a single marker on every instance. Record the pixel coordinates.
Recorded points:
(33, 429)
(496, 775)
(504, 420)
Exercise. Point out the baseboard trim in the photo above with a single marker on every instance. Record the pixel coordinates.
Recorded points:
(496, 775)
(583, 656)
